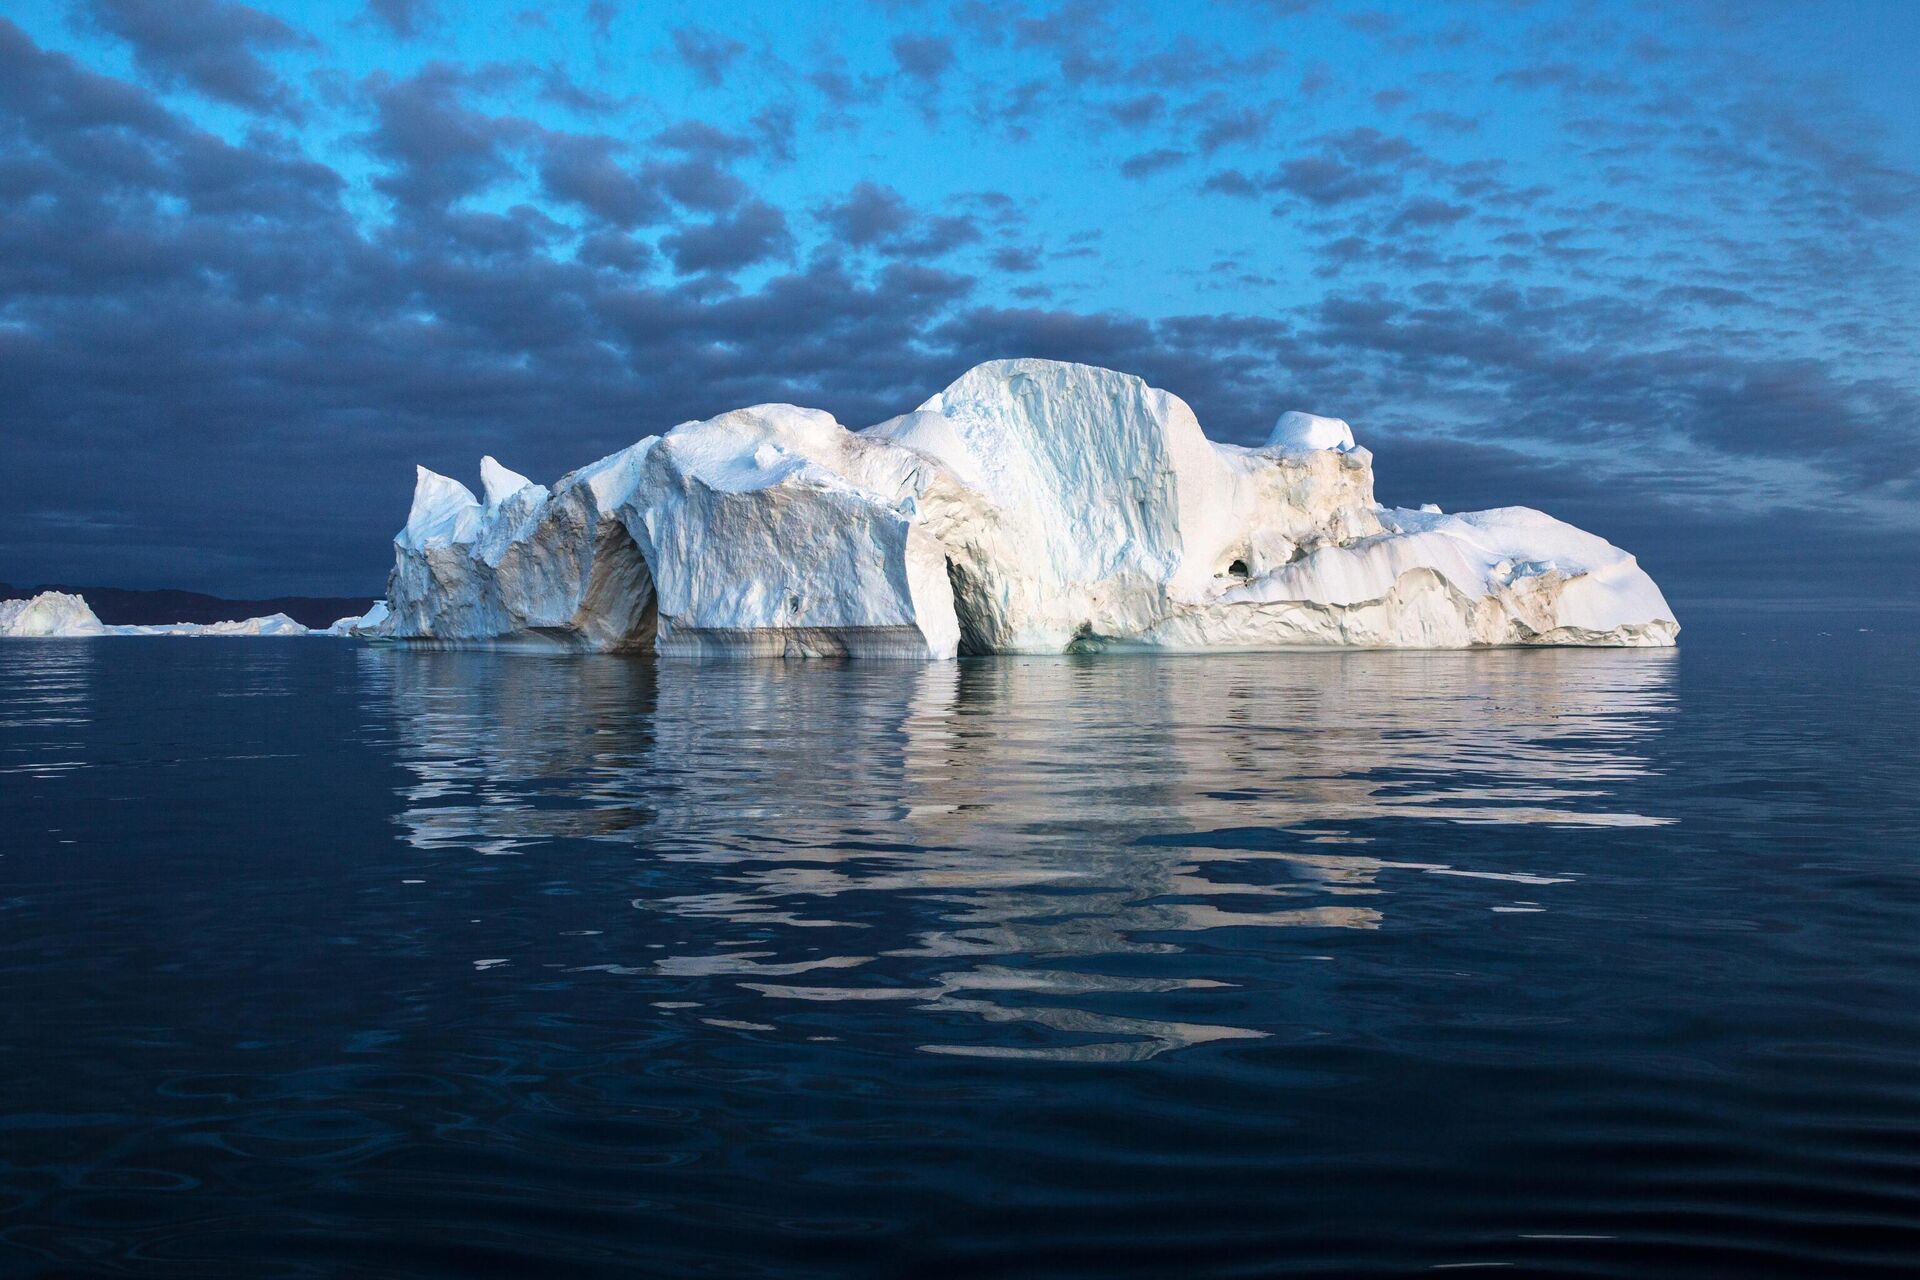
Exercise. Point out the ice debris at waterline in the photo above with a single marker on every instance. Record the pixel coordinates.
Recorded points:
(55, 615)
(1031, 507)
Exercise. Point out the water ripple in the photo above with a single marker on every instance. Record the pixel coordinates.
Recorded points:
(439, 964)
(1024, 810)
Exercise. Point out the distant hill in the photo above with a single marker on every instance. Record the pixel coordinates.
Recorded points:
(117, 606)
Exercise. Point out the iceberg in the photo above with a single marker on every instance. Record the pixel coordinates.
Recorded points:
(1032, 506)
(362, 625)
(49, 615)
(274, 624)
(775, 530)
(529, 567)
(58, 615)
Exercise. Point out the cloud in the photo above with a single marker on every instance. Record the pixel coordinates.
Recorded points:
(585, 170)
(615, 251)
(1327, 180)
(753, 233)
(706, 141)
(210, 46)
(1186, 61)
(924, 58)
(774, 128)
(1232, 182)
(707, 53)
(407, 19)
(877, 217)
(1667, 314)
(1232, 127)
(1076, 34)
(437, 149)
(1147, 163)
(870, 215)
(699, 182)
(1447, 122)
(1016, 259)
(1579, 371)
(840, 87)
(1136, 111)
(1427, 212)
(1347, 166)
(1706, 296)
(1372, 21)
(1567, 77)
(558, 87)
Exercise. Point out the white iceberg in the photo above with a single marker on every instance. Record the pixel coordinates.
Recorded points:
(1091, 506)
(775, 530)
(58, 615)
(1032, 506)
(530, 567)
(274, 624)
(49, 615)
(360, 624)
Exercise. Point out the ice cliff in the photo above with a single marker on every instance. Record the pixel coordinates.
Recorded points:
(57, 615)
(1031, 507)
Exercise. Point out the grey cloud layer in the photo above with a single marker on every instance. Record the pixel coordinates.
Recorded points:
(220, 367)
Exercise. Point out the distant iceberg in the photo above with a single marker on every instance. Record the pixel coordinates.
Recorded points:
(51, 614)
(274, 624)
(1031, 507)
(58, 615)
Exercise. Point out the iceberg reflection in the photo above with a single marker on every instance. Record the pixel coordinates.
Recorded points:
(1010, 846)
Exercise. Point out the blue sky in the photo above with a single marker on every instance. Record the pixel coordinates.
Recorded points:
(1652, 268)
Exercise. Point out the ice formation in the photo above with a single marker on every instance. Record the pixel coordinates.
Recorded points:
(48, 615)
(1296, 432)
(364, 624)
(1031, 507)
(274, 624)
(57, 615)
(531, 565)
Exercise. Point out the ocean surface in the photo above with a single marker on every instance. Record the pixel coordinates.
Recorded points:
(319, 959)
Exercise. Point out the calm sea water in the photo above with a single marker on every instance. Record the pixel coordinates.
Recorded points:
(319, 959)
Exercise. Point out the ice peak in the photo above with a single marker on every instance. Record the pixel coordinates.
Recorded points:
(444, 511)
(498, 483)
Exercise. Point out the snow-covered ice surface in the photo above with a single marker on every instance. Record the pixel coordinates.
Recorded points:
(1031, 507)
(57, 615)
(1297, 432)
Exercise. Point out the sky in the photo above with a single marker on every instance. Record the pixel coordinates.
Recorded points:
(1652, 268)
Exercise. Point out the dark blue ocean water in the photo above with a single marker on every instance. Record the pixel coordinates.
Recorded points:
(319, 959)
